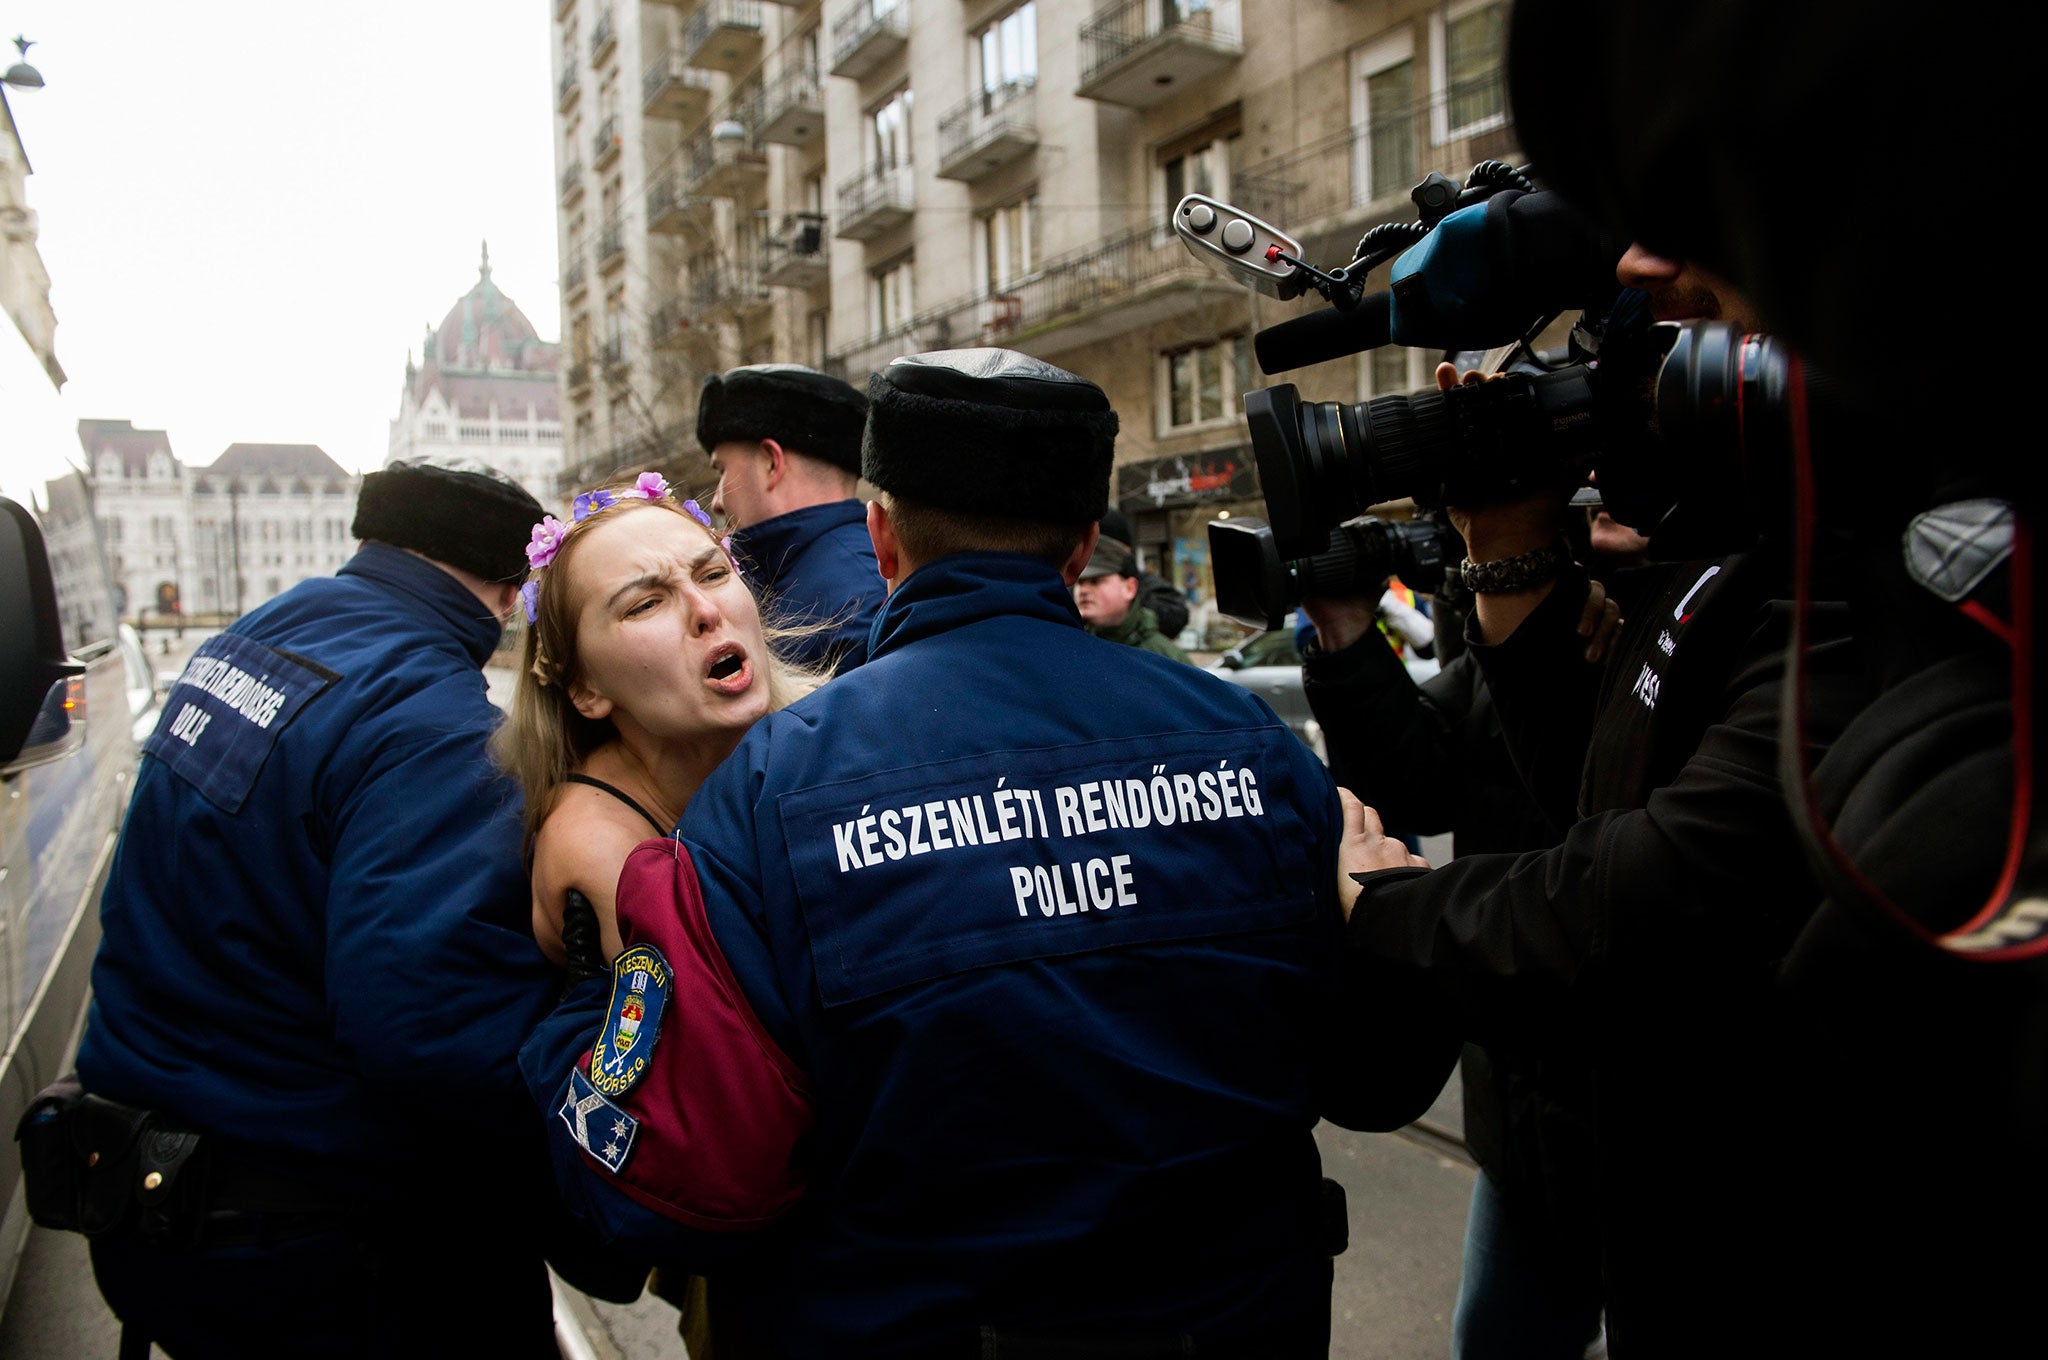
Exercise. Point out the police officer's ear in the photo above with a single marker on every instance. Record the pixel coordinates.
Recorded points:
(1077, 560)
(888, 552)
(778, 464)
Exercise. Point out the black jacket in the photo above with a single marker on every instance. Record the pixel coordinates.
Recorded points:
(1646, 941)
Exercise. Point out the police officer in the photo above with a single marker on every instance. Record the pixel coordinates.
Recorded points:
(1011, 1010)
(1108, 596)
(785, 442)
(316, 954)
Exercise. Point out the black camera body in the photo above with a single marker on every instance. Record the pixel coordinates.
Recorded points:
(1256, 584)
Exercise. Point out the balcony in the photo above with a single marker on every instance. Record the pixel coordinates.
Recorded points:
(718, 167)
(988, 131)
(675, 91)
(575, 280)
(673, 327)
(799, 255)
(724, 35)
(579, 377)
(1138, 53)
(672, 209)
(876, 201)
(571, 183)
(731, 290)
(606, 143)
(791, 111)
(604, 38)
(868, 34)
(1328, 192)
(562, 8)
(567, 90)
(611, 247)
(1130, 281)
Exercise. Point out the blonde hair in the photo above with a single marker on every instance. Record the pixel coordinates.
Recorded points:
(545, 737)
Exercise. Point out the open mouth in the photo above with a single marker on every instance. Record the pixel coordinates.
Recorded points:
(728, 669)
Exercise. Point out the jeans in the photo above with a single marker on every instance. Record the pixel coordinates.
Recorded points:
(1524, 1295)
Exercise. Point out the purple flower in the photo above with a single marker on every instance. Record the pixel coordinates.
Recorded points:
(697, 513)
(590, 502)
(652, 486)
(529, 595)
(547, 541)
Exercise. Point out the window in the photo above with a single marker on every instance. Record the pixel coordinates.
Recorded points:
(1009, 244)
(1200, 385)
(894, 296)
(1466, 60)
(1389, 371)
(1009, 51)
(889, 132)
(1201, 163)
(1384, 156)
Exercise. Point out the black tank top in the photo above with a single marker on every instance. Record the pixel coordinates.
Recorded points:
(622, 796)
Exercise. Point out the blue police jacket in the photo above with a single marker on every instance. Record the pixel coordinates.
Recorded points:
(817, 566)
(316, 927)
(1044, 924)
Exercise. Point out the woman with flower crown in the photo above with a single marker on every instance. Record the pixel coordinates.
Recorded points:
(645, 663)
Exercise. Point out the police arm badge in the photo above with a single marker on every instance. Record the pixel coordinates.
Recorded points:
(642, 985)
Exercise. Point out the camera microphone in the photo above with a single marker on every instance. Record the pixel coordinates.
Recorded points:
(1325, 335)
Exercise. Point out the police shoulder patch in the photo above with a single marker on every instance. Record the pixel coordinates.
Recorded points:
(641, 986)
(599, 1127)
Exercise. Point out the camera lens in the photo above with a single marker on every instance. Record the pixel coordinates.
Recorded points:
(1321, 463)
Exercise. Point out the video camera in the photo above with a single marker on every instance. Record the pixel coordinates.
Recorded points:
(1668, 415)
(1256, 586)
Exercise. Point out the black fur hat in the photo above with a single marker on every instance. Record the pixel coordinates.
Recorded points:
(803, 410)
(459, 511)
(990, 432)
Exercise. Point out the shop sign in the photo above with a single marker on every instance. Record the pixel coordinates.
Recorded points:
(1231, 475)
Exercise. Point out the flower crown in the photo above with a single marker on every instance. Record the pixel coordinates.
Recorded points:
(549, 533)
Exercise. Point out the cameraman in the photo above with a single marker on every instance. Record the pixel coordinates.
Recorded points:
(1918, 993)
(1431, 758)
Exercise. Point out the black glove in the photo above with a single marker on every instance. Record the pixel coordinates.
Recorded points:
(582, 943)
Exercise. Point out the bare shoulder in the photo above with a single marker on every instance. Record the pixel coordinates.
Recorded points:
(583, 844)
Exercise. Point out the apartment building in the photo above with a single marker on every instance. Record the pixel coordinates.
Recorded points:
(855, 180)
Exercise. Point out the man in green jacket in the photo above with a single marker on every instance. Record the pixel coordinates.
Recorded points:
(1107, 596)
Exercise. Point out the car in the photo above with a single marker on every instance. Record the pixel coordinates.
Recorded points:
(72, 712)
(1269, 666)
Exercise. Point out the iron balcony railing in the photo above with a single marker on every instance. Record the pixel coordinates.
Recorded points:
(1373, 166)
(573, 276)
(572, 179)
(1009, 109)
(612, 353)
(602, 35)
(1140, 260)
(798, 87)
(1116, 31)
(729, 286)
(567, 89)
(878, 188)
(669, 68)
(611, 243)
(863, 22)
(606, 141)
(713, 15)
(579, 375)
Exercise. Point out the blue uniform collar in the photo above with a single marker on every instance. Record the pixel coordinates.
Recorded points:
(769, 545)
(967, 588)
(441, 595)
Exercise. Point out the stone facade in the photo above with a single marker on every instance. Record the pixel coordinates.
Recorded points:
(216, 540)
(866, 178)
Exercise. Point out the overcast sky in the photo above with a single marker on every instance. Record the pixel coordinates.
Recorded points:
(250, 210)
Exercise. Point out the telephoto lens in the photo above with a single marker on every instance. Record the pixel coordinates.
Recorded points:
(1321, 463)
